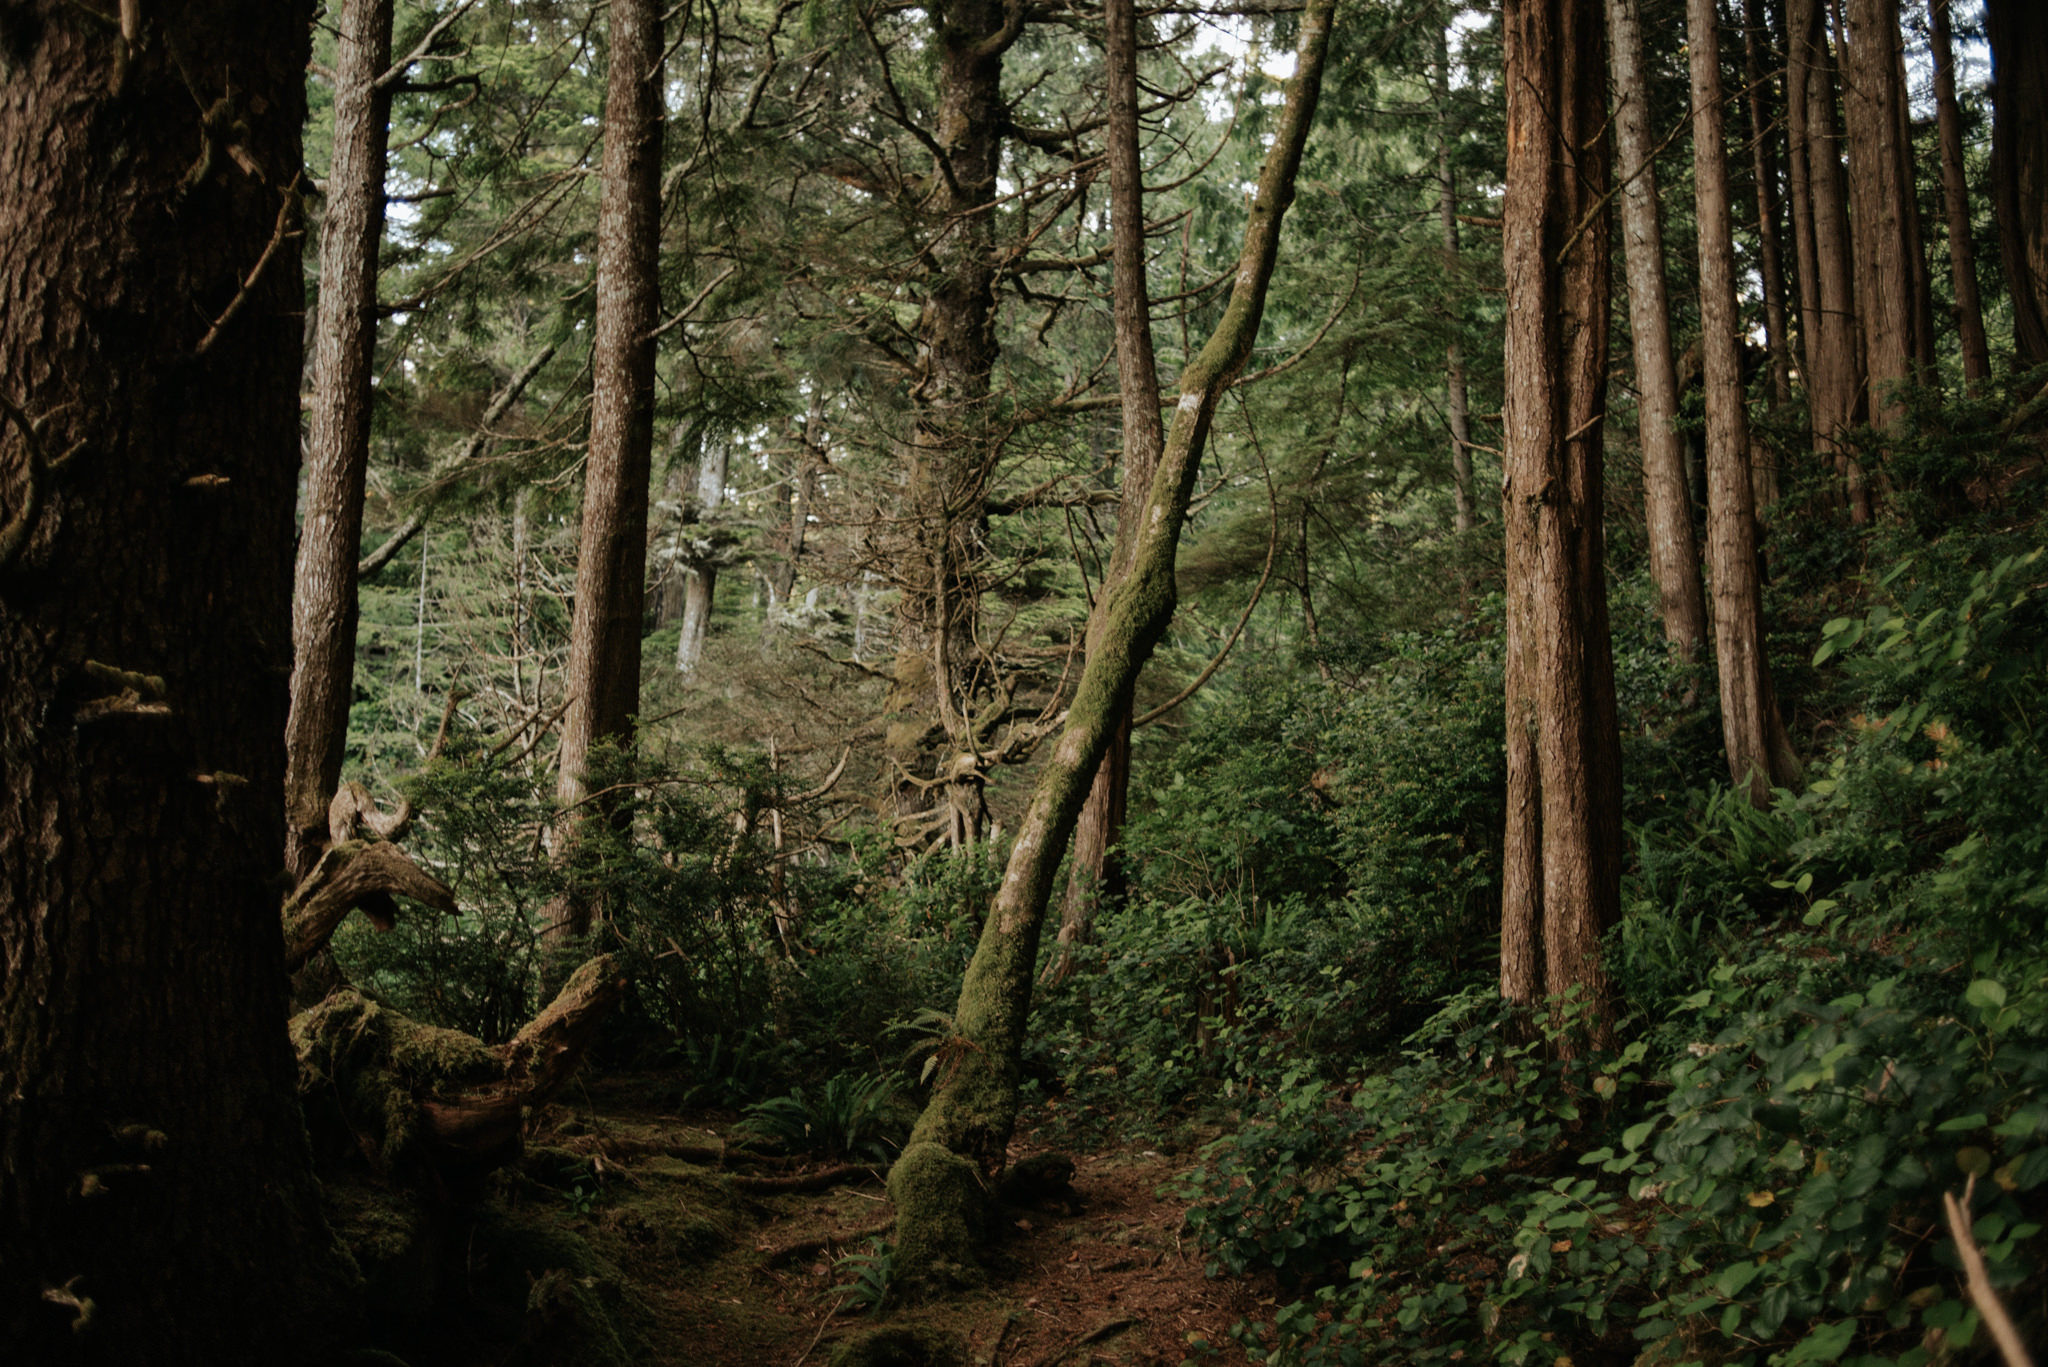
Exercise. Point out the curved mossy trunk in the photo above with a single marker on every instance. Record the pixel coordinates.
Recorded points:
(965, 1129)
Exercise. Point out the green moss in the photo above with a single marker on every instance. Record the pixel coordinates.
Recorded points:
(396, 1239)
(901, 1346)
(375, 1064)
(571, 1322)
(942, 1214)
(577, 1312)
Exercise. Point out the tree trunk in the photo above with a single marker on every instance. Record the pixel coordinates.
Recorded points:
(1834, 384)
(1759, 755)
(1764, 167)
(951, 437)
(603, 680)
(701, 582)
(1674, 558)
(338, 444)
(1962, 257)
(156, 1198)
(965, 1129)
(2018, 30)
(1458, 407)
(1562, 886)
(1101, 822)
(1880, 200)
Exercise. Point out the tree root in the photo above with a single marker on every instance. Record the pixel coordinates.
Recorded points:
(353, 875)
(799, 1248)
(821, 1180)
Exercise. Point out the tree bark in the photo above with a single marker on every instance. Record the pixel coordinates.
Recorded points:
(1880, 199)
(1092, 875)
(1962, 253)
(338, 443)
(156, 1198)
(1562, 884)
(1834, 382)
(2018, 30)
(967, 1124)
(701, 581)
(1674, 558)
(1458, 408)
(1759, 756)
(603, 676)
(1764, 168)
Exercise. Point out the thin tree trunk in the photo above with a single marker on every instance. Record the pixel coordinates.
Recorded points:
(1674, 558)
(1562, 871)
(603, 680)
(1879, 203)
(1764, 167)
(701, 582)
(1759, 756)
(1092, 876)
(522, 592)
(1834, 362)
(1962, 253)
(1458, 407)
(2018, 30)
(157, 1203)
(338, 444)
(965, 1129)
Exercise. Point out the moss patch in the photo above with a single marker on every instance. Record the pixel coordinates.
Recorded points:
(942, 1212)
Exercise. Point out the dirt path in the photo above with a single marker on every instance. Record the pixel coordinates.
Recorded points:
(1102, 1277)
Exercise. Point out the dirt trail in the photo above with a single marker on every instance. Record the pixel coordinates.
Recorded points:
(1102, 1276)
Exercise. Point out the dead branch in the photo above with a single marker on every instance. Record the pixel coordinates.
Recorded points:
(799, 1248)
(277, 237)
(354, 874)
(2010, 1346)
(822, 1180)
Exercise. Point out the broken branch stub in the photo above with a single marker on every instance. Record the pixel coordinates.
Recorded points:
(349, 875)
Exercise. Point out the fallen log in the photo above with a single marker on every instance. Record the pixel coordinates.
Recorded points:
(407, 1095)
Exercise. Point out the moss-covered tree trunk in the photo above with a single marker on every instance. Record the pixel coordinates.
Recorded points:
(156, 1198)
(1144, 432)
(965, 1130)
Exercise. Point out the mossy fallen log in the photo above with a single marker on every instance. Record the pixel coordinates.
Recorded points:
(411, 1097)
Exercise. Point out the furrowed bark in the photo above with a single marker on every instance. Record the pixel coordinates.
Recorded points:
(153, 1166)
(1764, 168)
(2018, 30)
(967, 1124)
(603, 681)
(1457, 409)
(338, 443)
(1759, 756)
(1562, 870)
(1881, 198)
(1674, 558)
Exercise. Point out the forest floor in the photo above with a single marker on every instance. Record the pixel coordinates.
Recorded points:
(638, 1236)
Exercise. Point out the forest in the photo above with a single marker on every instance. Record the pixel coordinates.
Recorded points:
(996, 683)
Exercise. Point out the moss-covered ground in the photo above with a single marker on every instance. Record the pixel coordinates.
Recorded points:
(630, 1235)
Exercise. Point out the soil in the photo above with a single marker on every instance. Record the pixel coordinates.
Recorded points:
(700, 1270)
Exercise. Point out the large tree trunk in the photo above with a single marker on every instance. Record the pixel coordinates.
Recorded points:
(1562, 885)
(1101, 822)
(1880, 200)
(1457, 405)
(338, 446)
(603, 677)
(2018, 30)
(965, 1129)
(1962, 257)
(951, 455)
(1674, 558)
(1834, 380)
(156, 1200)
(1758, 754)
